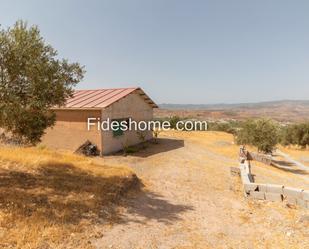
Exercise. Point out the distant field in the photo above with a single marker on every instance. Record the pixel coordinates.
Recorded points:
(287, 111)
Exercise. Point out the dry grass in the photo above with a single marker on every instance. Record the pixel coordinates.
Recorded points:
(221, 143)
(60, 200)
(297, 153)
(52, 200)
(195, 173)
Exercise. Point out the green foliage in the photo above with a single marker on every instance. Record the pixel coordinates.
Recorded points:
(127, 149)
(262, 133)
(142, 138)
(296, 134)
(156, 133)
(228, 126)
(32, 80)
(173, 121)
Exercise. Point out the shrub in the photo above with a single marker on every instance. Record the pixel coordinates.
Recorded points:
(173, 121)
(296, 134)
(229, 126)
(262, 133)
(156, 133)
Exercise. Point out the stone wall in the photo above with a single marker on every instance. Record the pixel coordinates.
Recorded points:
(271, 192)
(260, 158)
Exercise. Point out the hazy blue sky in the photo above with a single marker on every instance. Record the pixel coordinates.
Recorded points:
(180, 51)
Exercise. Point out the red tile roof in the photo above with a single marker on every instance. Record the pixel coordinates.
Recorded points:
(97, 99)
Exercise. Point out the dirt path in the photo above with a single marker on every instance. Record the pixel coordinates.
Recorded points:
(191, 201)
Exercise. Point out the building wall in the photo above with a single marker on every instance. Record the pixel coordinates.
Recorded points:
(70, 130)
(132, 106)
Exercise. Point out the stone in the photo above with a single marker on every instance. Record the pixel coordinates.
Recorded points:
(291, 200)
(301, 203)
(257, 195)
(261, 158)
(273, 188)
(273, 196)
(251, 178)
(293, 192)
(305, 195)
(262, 187)
(244, 177)
(250, 187)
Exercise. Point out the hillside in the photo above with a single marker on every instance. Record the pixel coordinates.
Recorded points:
(285, 110)
(50, 199)
(191, 200)
(188, 198)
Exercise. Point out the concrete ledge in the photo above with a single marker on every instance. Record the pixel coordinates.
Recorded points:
(245, 178)
(270, 192)
(305, 195)
(293, 192)
(271, 188)
(291, 200)
(262, 187)
(273, 196)
(245, 167)
(261, 158)
(257, 195)
(242, 167)
(251, 178)
(250, 187)
(301, 203)
(274, 188)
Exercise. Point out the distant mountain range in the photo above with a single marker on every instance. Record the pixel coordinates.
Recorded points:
(283, 110)
(223, 106)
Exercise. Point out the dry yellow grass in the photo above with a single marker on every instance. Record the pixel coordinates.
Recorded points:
(52, 199)
(223, 144)
(215, 141)
(33, 157)
(296, 153)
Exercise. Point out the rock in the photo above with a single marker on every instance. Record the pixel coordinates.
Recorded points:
(88, 149)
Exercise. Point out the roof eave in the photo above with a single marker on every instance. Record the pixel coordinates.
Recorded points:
(147, 99)
(76, 108)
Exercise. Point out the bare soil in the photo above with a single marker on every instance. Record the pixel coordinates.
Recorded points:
(190, 200)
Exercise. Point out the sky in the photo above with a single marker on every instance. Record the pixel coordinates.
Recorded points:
(186, 52)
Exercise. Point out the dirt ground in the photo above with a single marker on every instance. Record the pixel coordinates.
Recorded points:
(190, 200)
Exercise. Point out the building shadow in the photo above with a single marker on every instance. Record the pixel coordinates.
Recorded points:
(148, 205)
(63, 194)
(153, 147)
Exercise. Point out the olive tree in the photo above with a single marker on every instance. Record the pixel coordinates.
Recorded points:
(296, 134)
(32, 81)
(262, 133)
